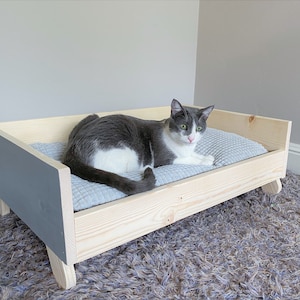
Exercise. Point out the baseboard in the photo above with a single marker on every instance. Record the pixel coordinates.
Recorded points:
(294, 158)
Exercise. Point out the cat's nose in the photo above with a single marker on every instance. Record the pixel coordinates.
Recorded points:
(191, 138)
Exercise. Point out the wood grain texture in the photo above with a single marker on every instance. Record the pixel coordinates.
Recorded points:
(272, 133)
(57, 129)
(104, 227)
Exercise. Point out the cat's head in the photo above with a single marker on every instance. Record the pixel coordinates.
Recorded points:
(187, 124)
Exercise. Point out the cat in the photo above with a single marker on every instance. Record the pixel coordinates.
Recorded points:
(99, 149)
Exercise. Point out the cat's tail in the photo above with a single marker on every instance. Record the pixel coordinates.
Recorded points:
(121, 183)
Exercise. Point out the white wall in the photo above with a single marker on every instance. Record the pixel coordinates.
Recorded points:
(73, 57)
(249, 58)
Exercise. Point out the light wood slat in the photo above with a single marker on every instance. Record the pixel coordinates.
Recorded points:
(57, 129)
(102, 228)
(270, 132)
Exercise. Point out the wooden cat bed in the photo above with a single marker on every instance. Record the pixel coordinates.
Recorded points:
(38, 189)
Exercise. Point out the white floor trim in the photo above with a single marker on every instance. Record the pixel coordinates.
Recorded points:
(294, 158)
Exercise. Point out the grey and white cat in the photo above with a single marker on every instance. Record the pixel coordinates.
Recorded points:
(99, 149)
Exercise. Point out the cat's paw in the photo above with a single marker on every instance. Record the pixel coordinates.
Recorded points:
(207, 160)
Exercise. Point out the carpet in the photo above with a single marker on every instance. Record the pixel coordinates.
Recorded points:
(245, 248)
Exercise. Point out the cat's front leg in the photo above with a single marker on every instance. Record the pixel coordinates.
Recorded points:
(207, 160)
(195, 159)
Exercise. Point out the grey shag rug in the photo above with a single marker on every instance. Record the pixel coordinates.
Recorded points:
(245, 248)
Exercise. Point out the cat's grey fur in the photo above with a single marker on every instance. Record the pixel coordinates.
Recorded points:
(99, 149)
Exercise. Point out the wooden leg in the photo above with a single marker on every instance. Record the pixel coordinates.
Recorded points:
(64, 274)
(4, 209)
(273, 187)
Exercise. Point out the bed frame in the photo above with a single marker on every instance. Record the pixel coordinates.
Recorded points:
(38, 188)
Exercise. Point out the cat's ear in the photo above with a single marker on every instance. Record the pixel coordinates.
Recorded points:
(206, 111)
(176, 107)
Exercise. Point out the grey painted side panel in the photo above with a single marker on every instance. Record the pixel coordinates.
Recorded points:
(31, 188)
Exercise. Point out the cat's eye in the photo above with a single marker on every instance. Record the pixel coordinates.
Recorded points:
(199, 128)
(183, 127)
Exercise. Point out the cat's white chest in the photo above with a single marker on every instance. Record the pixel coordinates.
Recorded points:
(185, 153)
(179, 149)
(117, 160)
